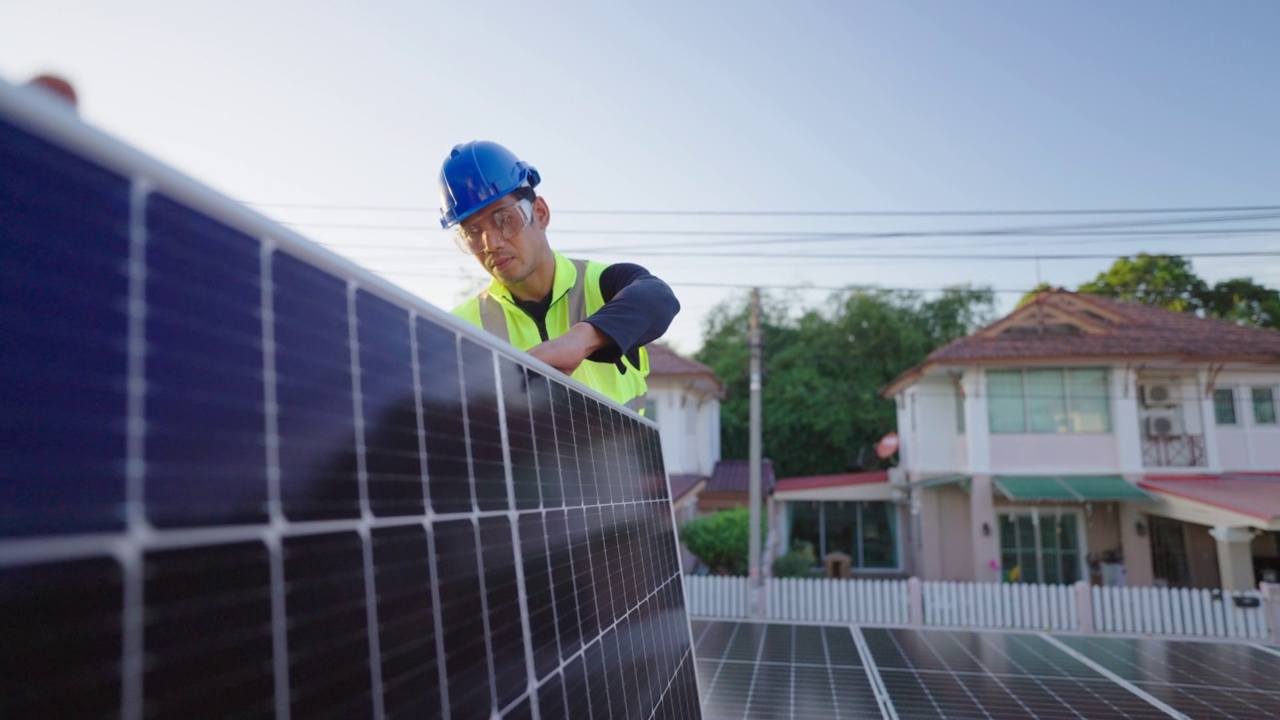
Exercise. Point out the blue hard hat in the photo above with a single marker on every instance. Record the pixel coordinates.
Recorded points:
(477, 173)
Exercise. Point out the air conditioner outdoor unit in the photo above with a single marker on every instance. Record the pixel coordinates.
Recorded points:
(1164, 425)
(1159, 395)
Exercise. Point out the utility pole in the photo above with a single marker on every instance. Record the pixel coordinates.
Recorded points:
(753, 462)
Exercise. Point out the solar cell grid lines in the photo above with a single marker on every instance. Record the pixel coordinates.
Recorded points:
(245, 479)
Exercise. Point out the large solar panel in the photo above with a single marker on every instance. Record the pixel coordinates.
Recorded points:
(752, 671)
(243, 478)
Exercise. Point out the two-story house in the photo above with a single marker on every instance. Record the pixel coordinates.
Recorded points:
(1085, 438)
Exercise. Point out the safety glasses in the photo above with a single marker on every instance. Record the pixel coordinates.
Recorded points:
(504, 223)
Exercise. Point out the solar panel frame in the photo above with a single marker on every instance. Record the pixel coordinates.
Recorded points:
(359, 518)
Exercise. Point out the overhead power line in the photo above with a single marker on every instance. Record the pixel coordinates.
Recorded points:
(812, 213)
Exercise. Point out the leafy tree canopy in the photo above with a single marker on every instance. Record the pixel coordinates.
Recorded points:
(1169, 282)
(823, 368)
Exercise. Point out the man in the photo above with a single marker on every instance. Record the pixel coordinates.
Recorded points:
(583, 318)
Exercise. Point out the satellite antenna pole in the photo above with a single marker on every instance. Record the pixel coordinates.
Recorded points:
(753, 493)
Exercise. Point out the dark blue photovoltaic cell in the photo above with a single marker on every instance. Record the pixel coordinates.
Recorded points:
(316, 416)
(502, 600)
(328, 631)
(551, 700)
(61, 631)
(566, 440)
(196, 594)
(517, 400)
(64, 246)
(563, 591)
(537, 582)
(467, 665)
(544, 437)
(484, 430)
(444, 429)
(393, 462)
(205, 445)
(406, 623)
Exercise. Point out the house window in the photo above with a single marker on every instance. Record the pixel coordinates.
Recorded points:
(959, 414)
(1264, 406)
(865, 531)
(1040, 547)
(651, 408)
(1049, 400)
(1224, 406)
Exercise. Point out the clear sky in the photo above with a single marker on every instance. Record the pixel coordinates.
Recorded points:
(775, 106)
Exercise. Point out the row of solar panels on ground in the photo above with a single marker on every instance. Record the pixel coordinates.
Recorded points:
(243, 478)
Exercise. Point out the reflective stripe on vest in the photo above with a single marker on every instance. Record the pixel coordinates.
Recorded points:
(494, 320)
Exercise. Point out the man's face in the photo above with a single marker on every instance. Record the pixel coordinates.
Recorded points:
(509, 238)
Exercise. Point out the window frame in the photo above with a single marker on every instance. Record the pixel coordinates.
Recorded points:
(858, 549)
(1028, 403)
(1229, 403)
(1270, 403)
(1037, 516)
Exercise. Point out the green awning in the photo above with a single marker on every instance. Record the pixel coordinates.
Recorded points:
(1069, 488)
(942, 481)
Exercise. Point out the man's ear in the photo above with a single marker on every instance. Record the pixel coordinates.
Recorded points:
(541, 212)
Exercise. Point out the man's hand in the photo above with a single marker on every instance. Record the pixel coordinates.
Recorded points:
(567, 352)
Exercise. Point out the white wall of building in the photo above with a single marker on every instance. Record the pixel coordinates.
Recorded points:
(688, 425)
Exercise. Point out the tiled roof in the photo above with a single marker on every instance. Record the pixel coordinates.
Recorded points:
(732, 476)
(1256, 496)
(1059, 325)
(810, 482)
(1119, 330)
(681, 484)
(664, 361)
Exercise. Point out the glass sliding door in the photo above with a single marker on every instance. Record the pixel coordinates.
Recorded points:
(1040, 546)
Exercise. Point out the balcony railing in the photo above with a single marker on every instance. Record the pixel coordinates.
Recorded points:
(1173, 451)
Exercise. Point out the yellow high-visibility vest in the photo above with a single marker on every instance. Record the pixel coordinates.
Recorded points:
(575, 295)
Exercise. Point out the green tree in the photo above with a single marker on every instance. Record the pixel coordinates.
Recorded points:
(823, 368)
(721, 540)
(1165, 281)
(1168, 281)
(1243, 301)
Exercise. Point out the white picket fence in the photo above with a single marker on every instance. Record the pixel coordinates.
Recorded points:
(1178, 611)
(1020, 606)
(866, 602)
(1017, 606)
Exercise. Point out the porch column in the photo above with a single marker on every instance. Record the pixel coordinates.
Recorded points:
(986, 544)
(1235, 557)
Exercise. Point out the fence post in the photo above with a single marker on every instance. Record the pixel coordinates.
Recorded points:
(1271, 610)
(915, 602)
(1084, 607)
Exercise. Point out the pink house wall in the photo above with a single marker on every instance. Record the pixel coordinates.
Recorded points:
(1054, 453)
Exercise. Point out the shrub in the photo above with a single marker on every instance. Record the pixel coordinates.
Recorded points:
(797, 563)
(720, 540)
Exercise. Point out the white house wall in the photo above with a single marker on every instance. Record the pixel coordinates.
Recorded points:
(929, 414)
(689, 427)
(1248, 445)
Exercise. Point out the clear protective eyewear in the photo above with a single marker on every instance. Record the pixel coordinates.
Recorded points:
(505, 223)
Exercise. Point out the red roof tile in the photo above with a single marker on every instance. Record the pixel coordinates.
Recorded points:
(665, 361)
(1254, 495)
(1126, 330)
(810, 482)
(681, 484)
